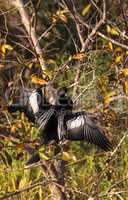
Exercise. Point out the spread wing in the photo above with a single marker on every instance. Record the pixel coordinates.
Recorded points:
(80, 127)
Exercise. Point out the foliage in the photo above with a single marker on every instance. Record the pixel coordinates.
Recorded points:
(102, 89)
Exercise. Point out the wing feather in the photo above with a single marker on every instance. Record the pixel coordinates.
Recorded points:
(80, 127)
(43, 118)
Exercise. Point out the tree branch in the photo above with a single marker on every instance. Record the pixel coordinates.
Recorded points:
(30, 30)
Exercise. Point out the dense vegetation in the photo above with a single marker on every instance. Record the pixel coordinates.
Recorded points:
(84, 46)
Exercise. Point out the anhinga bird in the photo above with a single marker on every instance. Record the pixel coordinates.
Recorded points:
(58, 122)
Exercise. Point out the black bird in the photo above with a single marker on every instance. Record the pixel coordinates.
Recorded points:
(58, 122)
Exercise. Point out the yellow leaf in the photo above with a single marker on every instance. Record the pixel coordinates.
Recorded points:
(79, 56)
(125, 87)
(127, 53)
(40, 193)
(108, 29)
(3, 49)
(108, 96)
(86, 9)
(61, 15)
(25, 180)
(66, 156)
(30, 65)
(61, 12)
(19, 146)
(125, 72)
(44, 157)
(48, 74)
(51, 61)
(103, 84)
(9, 47)
(118, 50)
(110, 46)
(13, 128)
(37, 80)
(63, 18)
(118, 59)
(54, 18)
(112, 30)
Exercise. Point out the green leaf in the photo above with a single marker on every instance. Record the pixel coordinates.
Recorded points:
(86, 9)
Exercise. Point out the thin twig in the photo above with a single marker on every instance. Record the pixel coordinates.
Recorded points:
(119, 144)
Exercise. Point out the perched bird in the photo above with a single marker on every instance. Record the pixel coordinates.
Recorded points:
(58, 122)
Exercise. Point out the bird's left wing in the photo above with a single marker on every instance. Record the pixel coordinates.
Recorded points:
(42, 118)
(80, 127)
(42, 114)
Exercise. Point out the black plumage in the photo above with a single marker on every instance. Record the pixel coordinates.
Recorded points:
(58, 122)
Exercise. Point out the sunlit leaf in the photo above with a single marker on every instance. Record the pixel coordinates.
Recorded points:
(24, 181)
(66, 156)
(30, 65)
(79, 56)
(51, 61)
(8, 47)
(13, 128)
(108, 29)
(48, 74)
(63, 18)
(118, 50)
(118, 59)
(3, 49)
(125, 72)
(103, 83)
(86, 9)
(54, 18)
(110, 46)
(37, 80)
(40, 193)
(112, 30)
(108, 97)
(43, 156)
(60, 14)
(20, 146)
(125, 87)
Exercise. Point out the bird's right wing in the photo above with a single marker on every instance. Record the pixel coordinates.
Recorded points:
(80, 127)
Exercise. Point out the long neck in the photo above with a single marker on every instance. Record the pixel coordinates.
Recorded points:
(65, 103)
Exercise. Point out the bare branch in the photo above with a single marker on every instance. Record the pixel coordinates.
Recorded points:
(30, 30)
